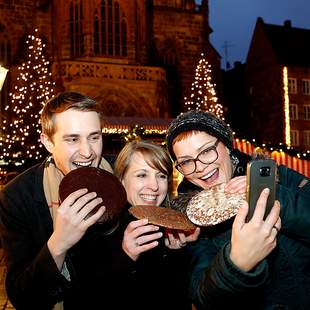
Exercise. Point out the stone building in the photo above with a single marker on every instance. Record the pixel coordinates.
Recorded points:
(277, 76)
(135, 57)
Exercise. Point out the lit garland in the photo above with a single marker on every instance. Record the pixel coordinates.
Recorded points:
(116, 130)
(286, 107)
(270, 148)
(135, 133)
(33, 87)
(282, 154)
(203, 95)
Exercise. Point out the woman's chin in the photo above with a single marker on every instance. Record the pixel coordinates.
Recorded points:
(148, 203)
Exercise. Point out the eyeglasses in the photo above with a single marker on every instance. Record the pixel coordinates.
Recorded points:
(206, 156)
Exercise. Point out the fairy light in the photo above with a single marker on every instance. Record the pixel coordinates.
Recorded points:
(203, 95)
(33, 87)
(112, 130)
(286, 107)
(3, 73)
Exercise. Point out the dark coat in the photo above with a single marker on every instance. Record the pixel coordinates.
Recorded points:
(281, 281)
(102, 275)
(158, 280)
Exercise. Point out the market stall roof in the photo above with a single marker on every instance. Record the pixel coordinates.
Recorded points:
(118, 124)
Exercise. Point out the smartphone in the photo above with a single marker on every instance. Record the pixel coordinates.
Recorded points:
(261, 174)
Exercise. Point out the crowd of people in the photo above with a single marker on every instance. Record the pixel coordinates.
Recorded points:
(59, 257)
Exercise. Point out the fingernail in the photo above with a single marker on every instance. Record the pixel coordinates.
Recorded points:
(266, 190)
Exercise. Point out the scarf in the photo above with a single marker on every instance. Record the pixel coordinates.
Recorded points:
(52, 177)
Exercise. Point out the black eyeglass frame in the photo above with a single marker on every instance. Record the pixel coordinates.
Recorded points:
(213, 147)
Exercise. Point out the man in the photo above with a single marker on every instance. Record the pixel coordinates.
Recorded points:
(42, 239)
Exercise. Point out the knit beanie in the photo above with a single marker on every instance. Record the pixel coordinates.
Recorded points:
(200, 121)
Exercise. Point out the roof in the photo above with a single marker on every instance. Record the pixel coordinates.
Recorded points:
(291, 45)
(118, 124)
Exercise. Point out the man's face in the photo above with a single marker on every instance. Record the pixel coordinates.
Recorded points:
(205, 176)
(77, 141)
(144, 185)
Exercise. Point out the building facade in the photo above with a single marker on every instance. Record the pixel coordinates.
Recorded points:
(136, 57)
(277, 76)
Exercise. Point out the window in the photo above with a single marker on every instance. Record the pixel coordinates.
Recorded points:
(293, 111)
(306, 87)
(295, 137)
(307, 138)
(307, 112)
(76, 28)
(292, 86)
(110, 29)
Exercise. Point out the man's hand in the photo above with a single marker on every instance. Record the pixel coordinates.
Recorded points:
(71, 222)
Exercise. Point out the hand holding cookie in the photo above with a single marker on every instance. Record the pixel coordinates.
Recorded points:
(213, 206)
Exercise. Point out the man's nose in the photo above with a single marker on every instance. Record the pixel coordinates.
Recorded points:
(85, 149)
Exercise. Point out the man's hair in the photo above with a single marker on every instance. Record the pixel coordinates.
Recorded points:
(63, 102)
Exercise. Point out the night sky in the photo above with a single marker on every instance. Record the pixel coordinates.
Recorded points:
(233, 22)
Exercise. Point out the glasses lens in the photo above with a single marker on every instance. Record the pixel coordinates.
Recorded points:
(186, 166)
(208, 156)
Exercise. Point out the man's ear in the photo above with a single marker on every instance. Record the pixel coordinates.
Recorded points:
(46, 141)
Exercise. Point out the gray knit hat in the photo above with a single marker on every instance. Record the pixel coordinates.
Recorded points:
(201, 121)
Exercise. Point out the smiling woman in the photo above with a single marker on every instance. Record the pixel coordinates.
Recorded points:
(145, 170)
(230, 257)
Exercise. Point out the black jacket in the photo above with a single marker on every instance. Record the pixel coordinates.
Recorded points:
(158, 280)
(281, 281)
(102, 275)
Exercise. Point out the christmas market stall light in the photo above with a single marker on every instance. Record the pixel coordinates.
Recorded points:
(281, 153)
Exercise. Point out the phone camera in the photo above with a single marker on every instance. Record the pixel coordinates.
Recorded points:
(264, 171)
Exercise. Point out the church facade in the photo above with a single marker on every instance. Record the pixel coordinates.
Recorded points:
(137, 58)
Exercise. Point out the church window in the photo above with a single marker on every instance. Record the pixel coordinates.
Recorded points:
(76, 28)
(110, 29)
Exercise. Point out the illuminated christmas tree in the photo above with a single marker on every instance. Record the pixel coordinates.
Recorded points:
(203, 96)
(33, 86)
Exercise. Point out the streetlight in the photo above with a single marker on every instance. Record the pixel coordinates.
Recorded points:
(3, 72)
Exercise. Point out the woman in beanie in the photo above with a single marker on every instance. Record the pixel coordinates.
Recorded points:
(246, 265)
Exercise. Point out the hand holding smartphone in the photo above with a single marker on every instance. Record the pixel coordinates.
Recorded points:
(261, 174)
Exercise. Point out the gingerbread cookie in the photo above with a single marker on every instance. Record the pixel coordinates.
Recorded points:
(212, 206)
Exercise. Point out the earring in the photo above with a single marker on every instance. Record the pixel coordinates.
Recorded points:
(234, 160)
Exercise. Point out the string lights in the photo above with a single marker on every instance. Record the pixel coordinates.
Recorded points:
(33, 87)
(286, 107)
(203, 96)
